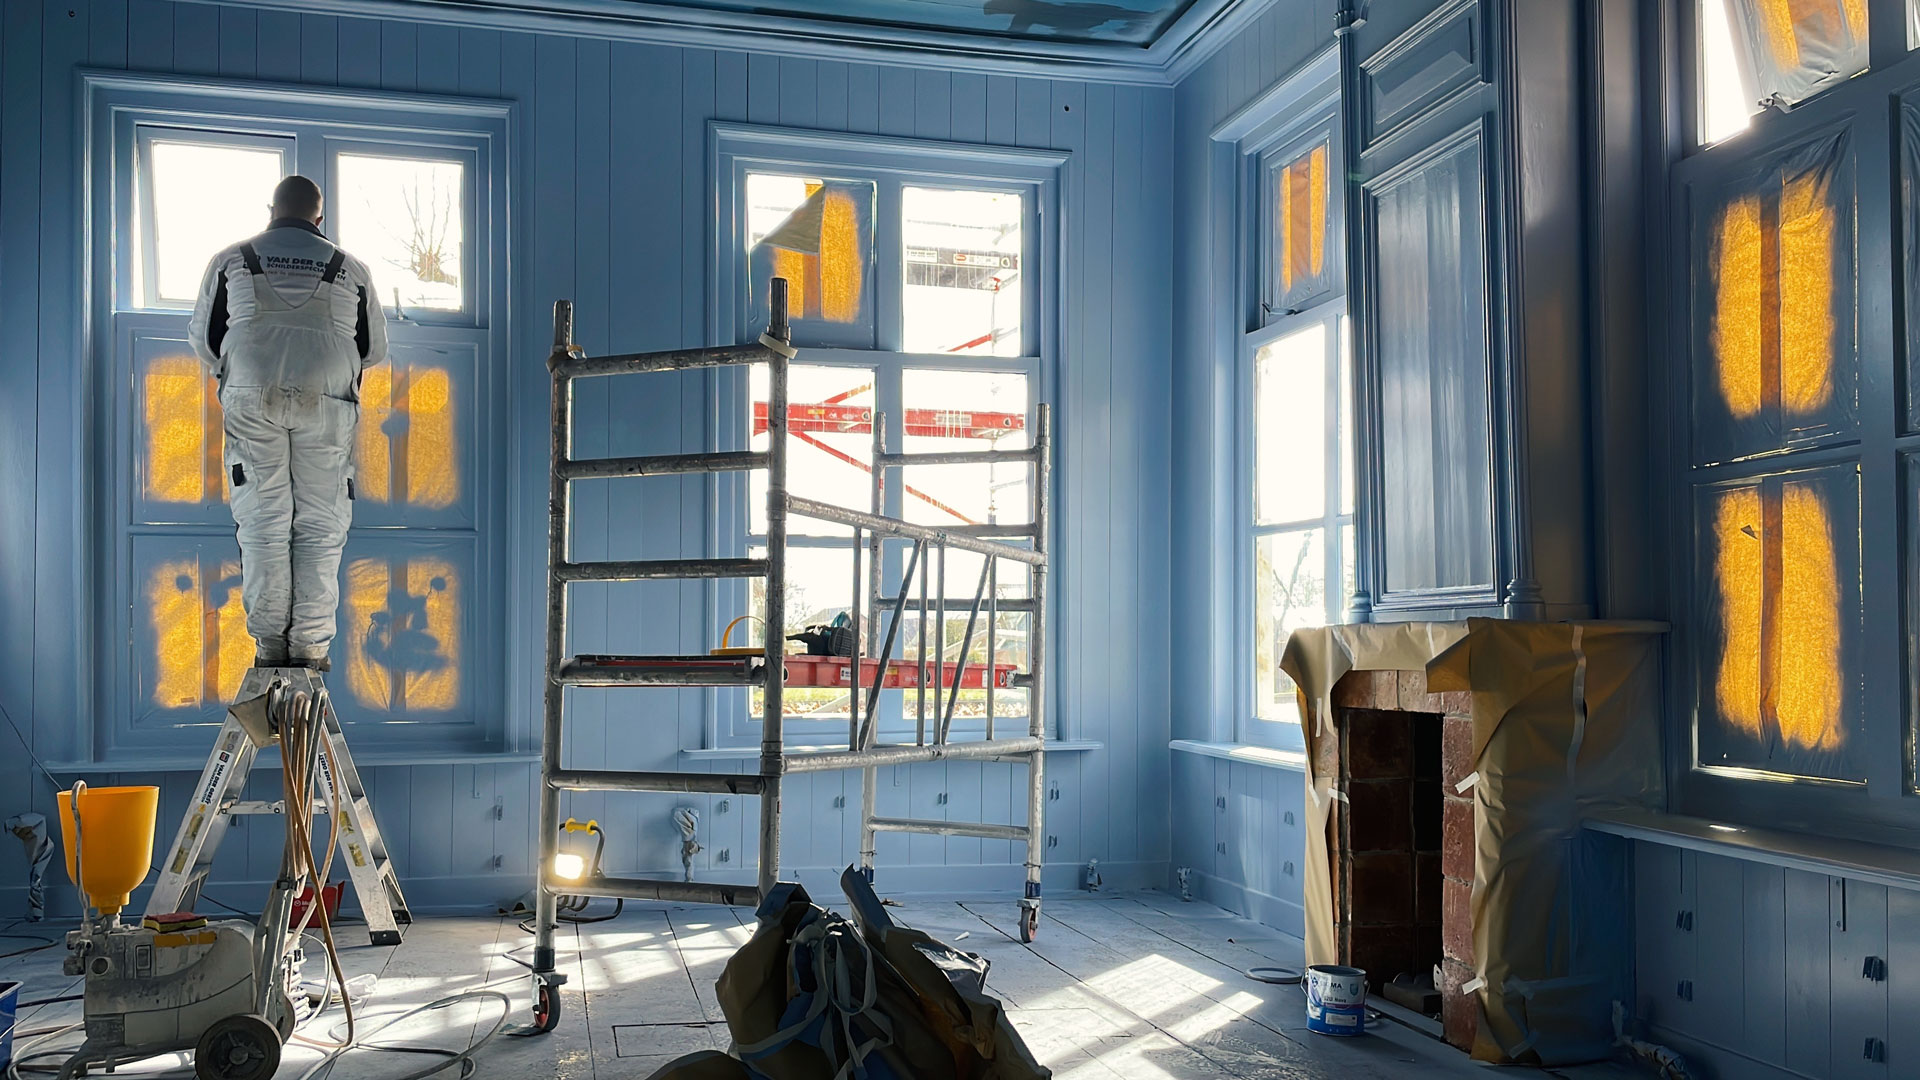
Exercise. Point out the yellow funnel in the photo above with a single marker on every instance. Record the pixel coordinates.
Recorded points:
(116, 841)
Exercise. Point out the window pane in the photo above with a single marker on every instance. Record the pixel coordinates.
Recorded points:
(829, 443)
(1777, 335)
(819, 589)
(818, 234)
(406, 219)
(402, 623)
(204, 196)
(1297, 216)
(180, 455)
(966, 410)
(1010, 581)
(1727, 98)
(1290, 427)
(963, 287)
(1345, 434)
(190, 632)
(1781, 611)
(1289, 592)
(406, 453)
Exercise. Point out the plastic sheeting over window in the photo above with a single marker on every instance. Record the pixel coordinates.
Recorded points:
(402, 623)
(819, 236)
(1793, 49)
(1779, 569)
(1301, 242)
(200, 648)
(1776, 361)
(407, 453)
(180, 417)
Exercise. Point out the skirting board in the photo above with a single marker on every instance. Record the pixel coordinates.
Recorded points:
(1706, 1061)
(487, 893)
(1284, 915)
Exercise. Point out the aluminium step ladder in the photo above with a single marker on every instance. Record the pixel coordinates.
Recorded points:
(566, 364)
(250, 726)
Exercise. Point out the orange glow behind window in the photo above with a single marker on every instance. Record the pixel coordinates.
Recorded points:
(406, 453)
(403, 629)
(201, 646)
(1301, 194)
(180, 408)
(1780, 610)
(1783, 22)
(1773, 318)
(826, 285)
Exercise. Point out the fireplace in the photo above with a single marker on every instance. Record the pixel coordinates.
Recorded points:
(1401, 842)
(1539, 727)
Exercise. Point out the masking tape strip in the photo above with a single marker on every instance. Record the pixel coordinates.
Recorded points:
(1467, 782)
(1473, 985)
(1579, 703)
(779, 346)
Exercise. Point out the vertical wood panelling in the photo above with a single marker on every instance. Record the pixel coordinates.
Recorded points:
(1200, 461)
(359, 62)
(613, 209)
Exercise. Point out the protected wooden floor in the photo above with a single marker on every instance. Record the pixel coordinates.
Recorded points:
(1134, 985)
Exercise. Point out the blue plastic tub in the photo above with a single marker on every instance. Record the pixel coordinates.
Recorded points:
(9, 1004)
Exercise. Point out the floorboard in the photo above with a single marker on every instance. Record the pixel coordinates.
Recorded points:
(1118, 986)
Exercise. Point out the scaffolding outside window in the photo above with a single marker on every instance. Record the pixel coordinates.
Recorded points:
(1755, 54)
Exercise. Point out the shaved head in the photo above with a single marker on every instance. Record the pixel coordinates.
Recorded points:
(297, 197)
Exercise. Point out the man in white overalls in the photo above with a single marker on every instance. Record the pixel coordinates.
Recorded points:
(286, 322)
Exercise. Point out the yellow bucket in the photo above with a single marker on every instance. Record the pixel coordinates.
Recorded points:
(116, 841)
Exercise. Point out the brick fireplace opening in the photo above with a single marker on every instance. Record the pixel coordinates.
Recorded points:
(1402, 842)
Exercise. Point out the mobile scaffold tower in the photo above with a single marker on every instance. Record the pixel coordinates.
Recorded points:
(870, 669)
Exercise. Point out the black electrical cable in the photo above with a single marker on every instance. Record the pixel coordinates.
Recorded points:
(49, 1001)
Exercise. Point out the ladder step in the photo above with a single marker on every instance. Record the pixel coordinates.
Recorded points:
(661, 465)
(952, 828)
(690, 892)
(660, 671)
(659, 569)
(603, 780)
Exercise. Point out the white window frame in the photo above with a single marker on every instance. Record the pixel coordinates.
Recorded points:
(1291, 114)
(736, 150)
(123, 114)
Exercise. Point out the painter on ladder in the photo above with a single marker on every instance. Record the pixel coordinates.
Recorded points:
(287, 321)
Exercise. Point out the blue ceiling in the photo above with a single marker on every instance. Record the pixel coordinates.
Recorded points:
(1114, 22)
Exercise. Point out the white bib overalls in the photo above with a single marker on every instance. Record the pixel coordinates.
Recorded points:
(290, 399)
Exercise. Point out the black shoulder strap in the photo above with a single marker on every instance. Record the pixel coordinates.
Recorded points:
(252, 259)
(333, 266)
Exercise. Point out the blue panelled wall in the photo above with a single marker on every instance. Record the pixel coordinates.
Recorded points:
(613, 211)
(1235, 821)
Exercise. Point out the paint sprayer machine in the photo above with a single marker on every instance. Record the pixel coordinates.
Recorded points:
(225, 990)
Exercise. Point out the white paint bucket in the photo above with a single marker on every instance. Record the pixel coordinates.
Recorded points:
(1336, 1000)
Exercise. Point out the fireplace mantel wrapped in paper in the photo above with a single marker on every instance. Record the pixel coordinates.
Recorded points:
(1542, 725)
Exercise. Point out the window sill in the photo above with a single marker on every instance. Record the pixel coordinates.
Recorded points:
(743, 753)
(183, 763)
(1243, 752)
(1857, 860)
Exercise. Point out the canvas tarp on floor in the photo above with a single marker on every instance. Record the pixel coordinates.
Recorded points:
(1566, 720)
